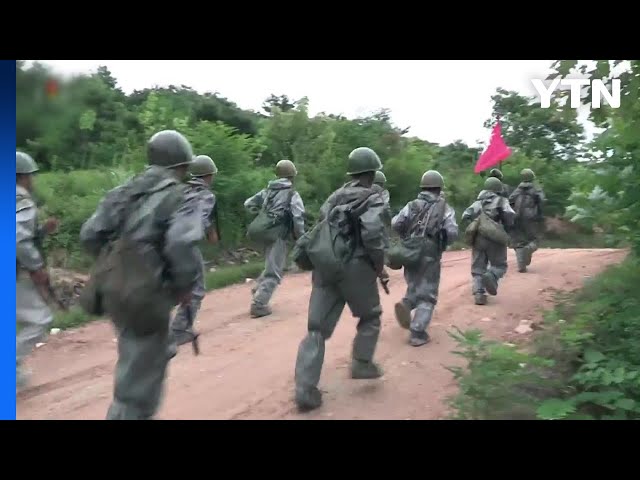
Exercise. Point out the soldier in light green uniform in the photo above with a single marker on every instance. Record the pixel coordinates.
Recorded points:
(430, 217)
(33, 315)
(486, 251)
(203, 172)
(160, 226)
(526, 200)
(357, 288)
(281, 198)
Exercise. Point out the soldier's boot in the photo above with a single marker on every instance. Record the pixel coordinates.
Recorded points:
(403, 314)
(258, 310)
(308, 399)
(363, 370)
(480, 299)
(490, 283)
(416, 339)
(521, 259)
(184, 336)
(529, 253)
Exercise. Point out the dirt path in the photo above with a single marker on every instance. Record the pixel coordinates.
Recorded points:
(245, 369)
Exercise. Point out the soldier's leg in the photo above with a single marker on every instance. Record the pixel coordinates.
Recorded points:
(479, 262)
(532, 241)
(360, 290)
(427, 298)
(404, 307)
(519, 241)
(34, 317)
(182, 330)
(276, 257)
(325, 307)
(140, 374)
(498, 260)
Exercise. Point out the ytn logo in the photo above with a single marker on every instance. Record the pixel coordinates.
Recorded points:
(598, 91)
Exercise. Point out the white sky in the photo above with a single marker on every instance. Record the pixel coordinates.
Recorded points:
(441, 100)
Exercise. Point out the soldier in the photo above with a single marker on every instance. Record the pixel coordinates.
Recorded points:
(526, 201)
(381, 180)
(506, 189)
(145, 233)
(33, 315)
(428, 216)
(280, 198)
(203, 172)
(356, 287)
(486, 250)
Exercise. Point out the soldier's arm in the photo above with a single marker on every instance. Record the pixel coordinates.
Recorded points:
(297, 212)
(327, 206)
(372, 232)
(253, 204)
(97, 230)
(27, 253)
(400, 222)
(207, 202)
(508, 214)
(472, 212)
(449, 225)
(180, 246)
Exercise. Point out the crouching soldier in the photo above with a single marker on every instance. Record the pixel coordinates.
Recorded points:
(488, 238)
(426, 225)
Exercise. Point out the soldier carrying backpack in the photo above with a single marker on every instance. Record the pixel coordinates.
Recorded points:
(280, 218)
(526, 201)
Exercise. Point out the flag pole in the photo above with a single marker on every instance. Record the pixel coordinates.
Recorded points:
(498, 121)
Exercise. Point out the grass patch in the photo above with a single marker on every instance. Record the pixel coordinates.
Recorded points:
(584, 365)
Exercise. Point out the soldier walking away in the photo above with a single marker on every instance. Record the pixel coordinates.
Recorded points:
(506, 189)
(526, 201)
(433, 221)
(281, 207)
(489, 214)
(145, 236)
(381, 180)
(203, 172)
(33, 315)
(351, 231)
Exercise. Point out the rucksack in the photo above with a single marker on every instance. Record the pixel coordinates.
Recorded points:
(423, 238)
(332, 242)
(485, 226)
(269, 225)
(125, 282)
(525, 205)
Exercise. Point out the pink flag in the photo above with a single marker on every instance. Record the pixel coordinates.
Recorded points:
(496, 152)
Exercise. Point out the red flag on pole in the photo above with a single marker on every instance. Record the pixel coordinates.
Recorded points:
(496, 152)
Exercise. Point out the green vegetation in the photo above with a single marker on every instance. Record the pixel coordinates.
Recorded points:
(585, 364)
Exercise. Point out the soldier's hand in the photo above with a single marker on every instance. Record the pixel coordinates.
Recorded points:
(40, 277)
(51, 225)
(213, 237)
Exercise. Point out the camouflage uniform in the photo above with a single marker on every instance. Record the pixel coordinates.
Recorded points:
(524, 234)
(358, 289)
(506, 189)
(168, 242)
(33, 315)
(486, 251)
(423, 280)
(275, 254)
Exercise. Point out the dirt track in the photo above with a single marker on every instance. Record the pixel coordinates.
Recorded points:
(245, 369)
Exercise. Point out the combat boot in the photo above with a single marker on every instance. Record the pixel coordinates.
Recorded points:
(403, 315)
(490, 283)
(258, 311)
(480, 299)
(361, 370)
(418, 338)
(308, 399)
(183, 336)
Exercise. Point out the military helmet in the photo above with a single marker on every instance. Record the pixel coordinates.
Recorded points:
(493, 184)
(380, 179)
(432, 179)
(202, 166)
(25, 164)
(362, 160)
(495, 172)
(286, 169)
(527, 175)
(168, 149)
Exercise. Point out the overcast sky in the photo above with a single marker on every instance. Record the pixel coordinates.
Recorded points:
(442, 101)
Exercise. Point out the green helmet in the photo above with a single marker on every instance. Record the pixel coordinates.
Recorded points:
(362, 160)
(202, 166)
(286, 169)
(168, 149)
(493, 185)
(380, 179)
(527, 175)
(496, 173)
(432, 179)
(25, 164)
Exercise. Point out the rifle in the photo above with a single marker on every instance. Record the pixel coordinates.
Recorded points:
(216, 219)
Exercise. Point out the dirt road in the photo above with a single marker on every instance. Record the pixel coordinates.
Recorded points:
(245, 369)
